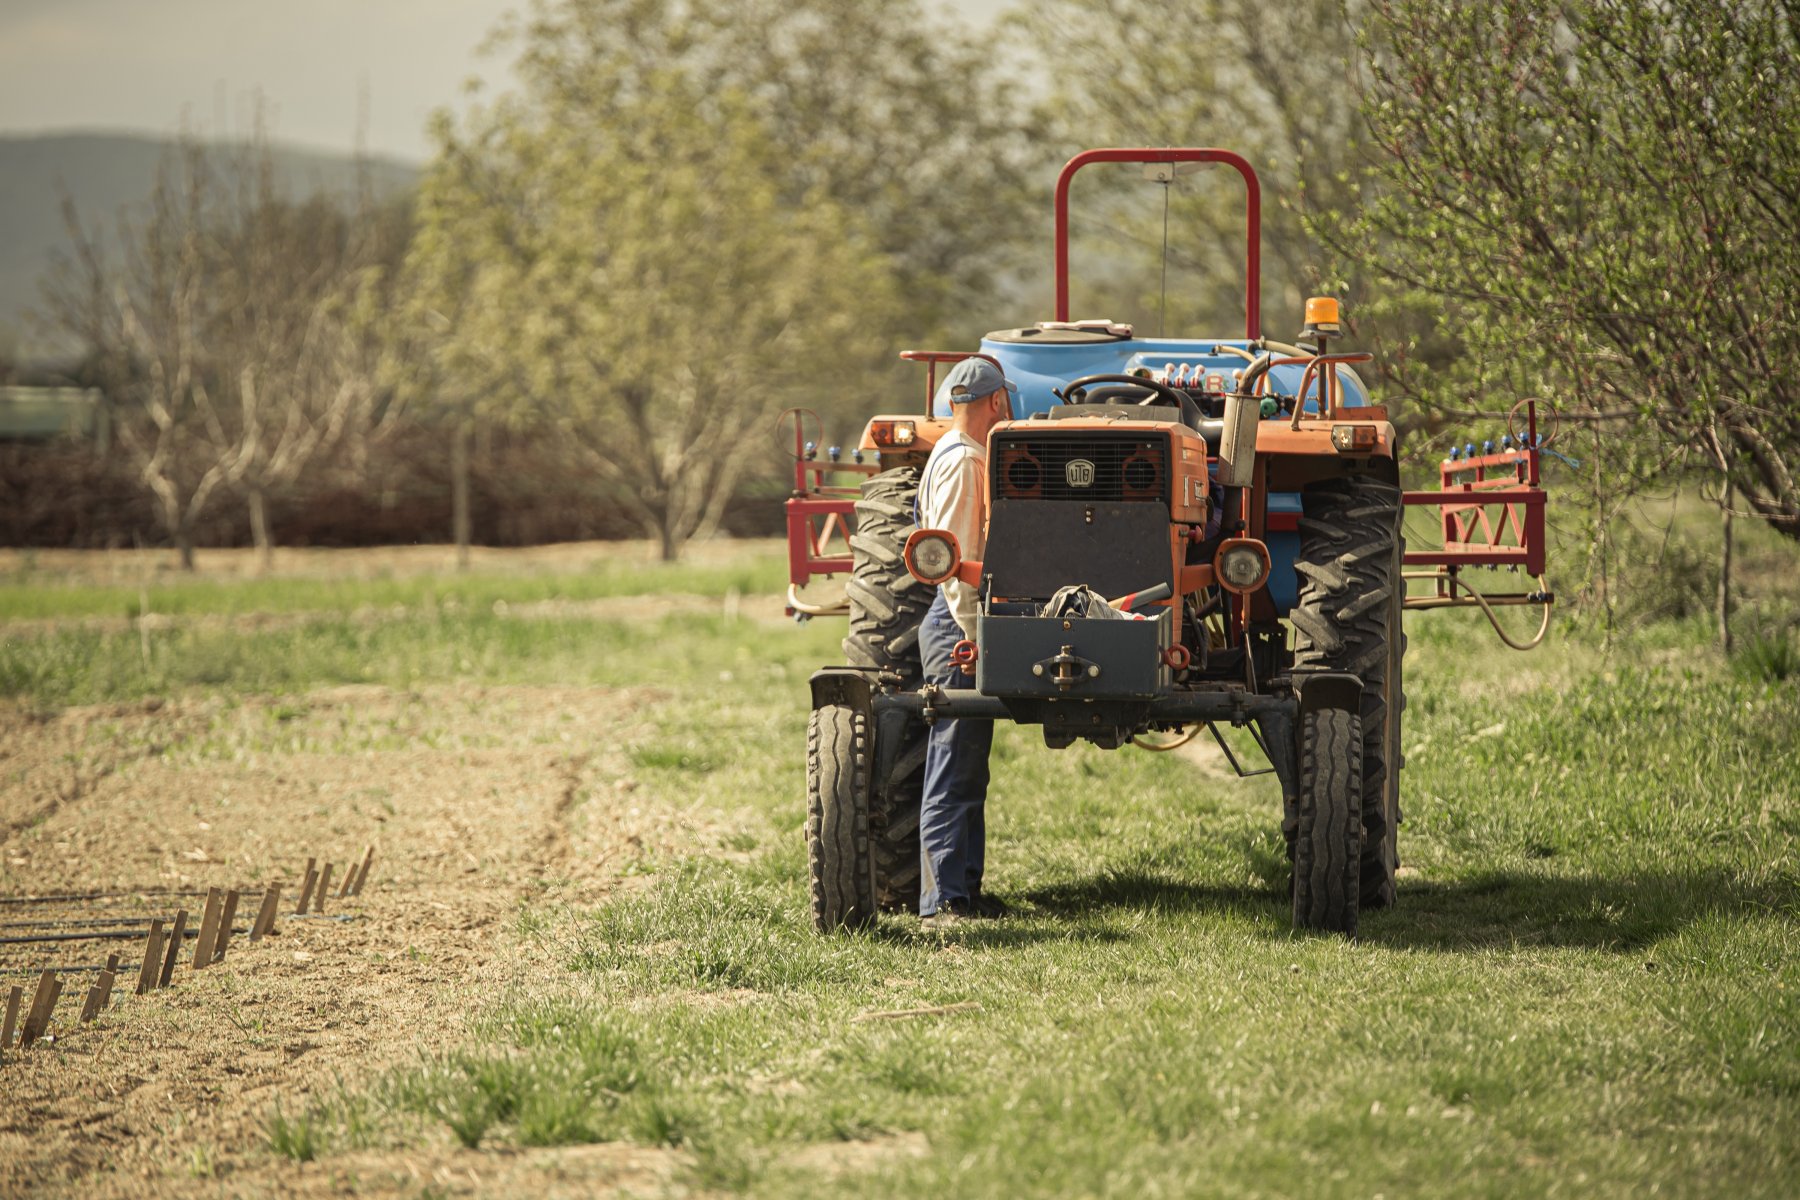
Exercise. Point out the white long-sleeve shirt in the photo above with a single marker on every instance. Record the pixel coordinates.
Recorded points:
(953, 497)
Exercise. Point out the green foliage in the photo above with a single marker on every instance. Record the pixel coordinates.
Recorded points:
(888, 112)
(1767, 654)
(1257, 89)
(297, 1137)
(1602, 198)
(631, 276)
(684, 214)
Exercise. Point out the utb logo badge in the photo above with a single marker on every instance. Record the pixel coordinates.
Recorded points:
(1079, 473)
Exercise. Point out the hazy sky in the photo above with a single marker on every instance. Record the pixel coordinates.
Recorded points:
(143, 64)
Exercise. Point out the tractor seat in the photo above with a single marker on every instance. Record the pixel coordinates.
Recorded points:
(1212, 430)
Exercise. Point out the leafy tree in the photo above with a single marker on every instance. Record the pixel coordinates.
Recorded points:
(635, 275)
(1605, 197)
(882, 109)
(1274, 91)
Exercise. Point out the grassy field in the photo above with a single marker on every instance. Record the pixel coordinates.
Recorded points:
(1591, 984)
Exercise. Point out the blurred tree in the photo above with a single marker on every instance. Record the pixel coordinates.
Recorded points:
(1277, 92)
(635, 275)
(884, 109)
(285, 284)
(221, 337)
(1604, 196)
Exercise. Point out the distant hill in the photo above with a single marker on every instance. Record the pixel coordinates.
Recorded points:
(108, 172)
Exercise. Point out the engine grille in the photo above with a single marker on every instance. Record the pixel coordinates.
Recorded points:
(1096, 468)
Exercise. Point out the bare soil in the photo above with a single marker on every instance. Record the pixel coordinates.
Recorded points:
(475, 800)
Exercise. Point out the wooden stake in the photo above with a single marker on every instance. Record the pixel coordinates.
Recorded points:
(112, 963)
(175, 936)
(306, 886)
(324, 887)
(265, 916)
(13, 997)
(152, 958)
(225, 920)
(42, 1005)
(209, 930)
(97, 996)
(362, 876)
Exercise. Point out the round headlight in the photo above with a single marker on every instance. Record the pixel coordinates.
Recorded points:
(932, 556)
(1242, 565)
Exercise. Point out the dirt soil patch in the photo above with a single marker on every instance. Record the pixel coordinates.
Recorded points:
(476, 800)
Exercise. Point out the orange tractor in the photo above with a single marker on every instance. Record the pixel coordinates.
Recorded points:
(1239, 497)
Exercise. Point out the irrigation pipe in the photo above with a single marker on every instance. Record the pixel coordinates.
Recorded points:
(1187, 735)
(1543, 626)
(813, 610)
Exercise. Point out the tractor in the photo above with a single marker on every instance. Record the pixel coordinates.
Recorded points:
(1235, 504)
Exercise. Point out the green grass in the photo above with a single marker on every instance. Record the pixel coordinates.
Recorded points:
(85, 665)
(1591, 986)
(33, 594)
(1592, 983)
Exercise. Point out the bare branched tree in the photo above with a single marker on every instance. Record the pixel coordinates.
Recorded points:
(225, 336)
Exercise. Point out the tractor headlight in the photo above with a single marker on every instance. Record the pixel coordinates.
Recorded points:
(888, 434)
(932, 555)
(1241, 565)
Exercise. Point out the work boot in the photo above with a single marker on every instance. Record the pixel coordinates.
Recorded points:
(988, 906)
(950, 913)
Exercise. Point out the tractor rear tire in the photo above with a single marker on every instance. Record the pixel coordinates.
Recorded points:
(887, 606)
(839, 752)
(1329, 835)
(1348, 618)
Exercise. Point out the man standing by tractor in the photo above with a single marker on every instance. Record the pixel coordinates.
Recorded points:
(952, 826)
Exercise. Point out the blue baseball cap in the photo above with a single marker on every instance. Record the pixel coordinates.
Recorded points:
(972, 379)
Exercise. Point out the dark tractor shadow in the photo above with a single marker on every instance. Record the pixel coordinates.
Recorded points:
(1620, 912)
(1013, 933)
(1151, 891)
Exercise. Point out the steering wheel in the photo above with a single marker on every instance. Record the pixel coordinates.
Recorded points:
(1126, 389)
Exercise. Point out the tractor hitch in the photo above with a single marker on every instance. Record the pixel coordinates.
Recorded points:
(1066, 668)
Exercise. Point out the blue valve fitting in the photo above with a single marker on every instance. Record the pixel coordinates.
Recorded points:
(1455, 454)
(856, 454)
(836, 452)
(812, 449)
(1468, 450)
(1487, 447)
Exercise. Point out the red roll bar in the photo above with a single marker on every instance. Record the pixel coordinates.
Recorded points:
(1253, 239)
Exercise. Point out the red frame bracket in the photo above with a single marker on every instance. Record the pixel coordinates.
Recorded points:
(1488, 520)
(1253, 222)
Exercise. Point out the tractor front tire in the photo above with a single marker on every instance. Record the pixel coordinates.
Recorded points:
(1348, 619)
(887, 606)
(1328, 837)
(838, 756)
